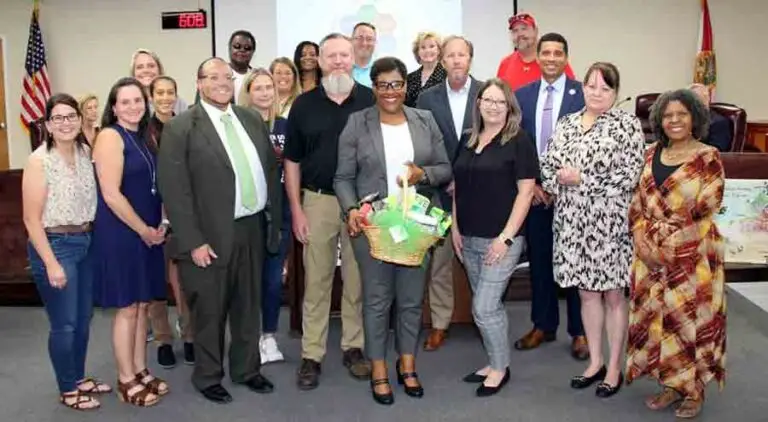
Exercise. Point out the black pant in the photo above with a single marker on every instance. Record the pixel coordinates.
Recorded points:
(227, 289)
(545, 312)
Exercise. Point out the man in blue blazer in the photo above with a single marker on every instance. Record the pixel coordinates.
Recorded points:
(543, 103)
(451, 103)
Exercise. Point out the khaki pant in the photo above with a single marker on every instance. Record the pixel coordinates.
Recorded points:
(320, 253)
(158, 312)
(441, 284)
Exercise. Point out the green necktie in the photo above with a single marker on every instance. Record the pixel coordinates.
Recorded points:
(240, 161)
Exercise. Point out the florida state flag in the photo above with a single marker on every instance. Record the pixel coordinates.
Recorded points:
(705, 71)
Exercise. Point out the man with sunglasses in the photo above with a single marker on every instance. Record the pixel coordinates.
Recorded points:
(242, 45)
(521, 68)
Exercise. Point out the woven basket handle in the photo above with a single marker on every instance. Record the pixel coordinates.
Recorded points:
(405, 190)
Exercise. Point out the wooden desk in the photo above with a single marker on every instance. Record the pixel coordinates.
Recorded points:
(757, 136)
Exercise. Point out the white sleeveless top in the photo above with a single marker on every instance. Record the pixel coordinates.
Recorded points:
(71, 196)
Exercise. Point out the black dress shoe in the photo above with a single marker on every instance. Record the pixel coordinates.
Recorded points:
(308, 376)
(579, 382)
(189, 354)
(217, 394)
(474, 378)
(605, 390)
(165, 356)
(417, 391)
(485, 391)
(259, 384)
(386, 398)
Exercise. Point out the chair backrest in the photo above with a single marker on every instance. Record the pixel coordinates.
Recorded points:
(643, 103)
(737, 117)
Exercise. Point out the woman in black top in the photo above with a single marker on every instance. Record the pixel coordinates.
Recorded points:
(305, 59)
(494, 176)
(427, 51)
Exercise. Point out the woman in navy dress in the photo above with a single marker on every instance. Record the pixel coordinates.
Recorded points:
(128, 236)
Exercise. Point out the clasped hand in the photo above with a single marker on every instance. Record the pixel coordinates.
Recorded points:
(153, 236)
(569, 176)
(414, 173)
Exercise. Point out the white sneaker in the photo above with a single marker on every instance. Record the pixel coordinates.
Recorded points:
(269, 350)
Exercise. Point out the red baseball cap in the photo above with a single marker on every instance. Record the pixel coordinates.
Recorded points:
(524, 18)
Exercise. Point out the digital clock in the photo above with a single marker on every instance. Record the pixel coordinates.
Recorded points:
(185, 20)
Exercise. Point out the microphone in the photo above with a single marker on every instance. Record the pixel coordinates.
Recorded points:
(624, 101)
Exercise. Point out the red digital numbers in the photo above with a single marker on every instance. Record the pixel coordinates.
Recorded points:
(191, 20)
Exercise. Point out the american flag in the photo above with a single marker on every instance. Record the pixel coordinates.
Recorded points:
(37, 87)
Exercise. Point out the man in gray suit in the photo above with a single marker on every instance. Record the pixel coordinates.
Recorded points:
(219, 180)
(451, 104)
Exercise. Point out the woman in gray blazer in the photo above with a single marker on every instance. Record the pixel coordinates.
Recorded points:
(376, 146)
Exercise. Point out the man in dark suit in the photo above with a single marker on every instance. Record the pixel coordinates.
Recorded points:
(720, 133)
(543, 103)
(451, 104)
(218, 176)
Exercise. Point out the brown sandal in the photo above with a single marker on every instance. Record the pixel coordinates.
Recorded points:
(139, 398)
(80, 398)
(663, 400)
(98, 386)
(155, 385)
(690, 408)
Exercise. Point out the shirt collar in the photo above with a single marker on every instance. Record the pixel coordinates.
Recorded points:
(462, 90)
(215, 113)
(559, 84)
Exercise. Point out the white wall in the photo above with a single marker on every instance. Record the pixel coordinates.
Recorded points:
(89, 43)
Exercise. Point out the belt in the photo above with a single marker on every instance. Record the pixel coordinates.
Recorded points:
(70, 229)
(321, 191)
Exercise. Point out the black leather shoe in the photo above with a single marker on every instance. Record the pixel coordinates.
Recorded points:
(165, 356)
(189, 354)
(485, 391)
(605, 390)
(417, 391)
(580, 381)
(386, 398)
(308, 376)
(217, 394)
(260, 384)
(474, 378)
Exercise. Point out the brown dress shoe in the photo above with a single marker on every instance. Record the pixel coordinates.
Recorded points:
(356, 363)
(435, 339)
(689, 409)
(533, 339)
(580, 348)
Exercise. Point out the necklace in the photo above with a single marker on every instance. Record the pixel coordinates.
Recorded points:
(147, 159)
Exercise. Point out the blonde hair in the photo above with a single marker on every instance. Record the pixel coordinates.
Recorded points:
(423, 36)
(244, 97)
(82, 101)
(514, 115)
(295, 89)
(160, 70)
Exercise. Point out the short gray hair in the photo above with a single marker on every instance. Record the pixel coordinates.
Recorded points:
(333, 36)
(689, 100)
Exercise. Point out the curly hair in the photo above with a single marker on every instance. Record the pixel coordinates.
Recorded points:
(692, 103)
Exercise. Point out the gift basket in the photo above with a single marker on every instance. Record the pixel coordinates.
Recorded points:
(402, 227)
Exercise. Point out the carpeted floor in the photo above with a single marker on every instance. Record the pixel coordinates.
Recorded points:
(538, 390)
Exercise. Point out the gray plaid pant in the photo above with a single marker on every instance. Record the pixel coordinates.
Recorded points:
(489, 282)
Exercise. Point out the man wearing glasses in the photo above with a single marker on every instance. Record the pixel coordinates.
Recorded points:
(221, 188)
(242, 46)
(364, 42)
(521, 68)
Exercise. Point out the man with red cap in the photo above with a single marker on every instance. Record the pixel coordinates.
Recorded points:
(521, 68)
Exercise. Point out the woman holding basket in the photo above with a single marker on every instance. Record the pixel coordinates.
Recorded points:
(378, 146)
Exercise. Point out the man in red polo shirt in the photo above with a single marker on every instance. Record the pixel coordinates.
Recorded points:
(521, 68)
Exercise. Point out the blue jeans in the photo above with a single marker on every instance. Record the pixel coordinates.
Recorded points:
(272, 284)
(69, 308)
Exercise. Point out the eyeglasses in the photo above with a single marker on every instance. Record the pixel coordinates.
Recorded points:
(216, 78)
(246, 47)
(491, 103)
(59, 119)
(394, 85)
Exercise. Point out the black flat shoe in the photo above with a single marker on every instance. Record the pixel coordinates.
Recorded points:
(259, 384)
(580, 382)
(605, 390)
(417, 391)
(485, 391)
(217, 394)
(474, 378)
(386, 398)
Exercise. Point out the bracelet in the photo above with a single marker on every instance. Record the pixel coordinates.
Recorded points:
(166, 222)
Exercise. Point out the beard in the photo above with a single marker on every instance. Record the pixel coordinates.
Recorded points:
(338, 84)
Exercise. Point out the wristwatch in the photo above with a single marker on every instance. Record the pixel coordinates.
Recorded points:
(507, 240)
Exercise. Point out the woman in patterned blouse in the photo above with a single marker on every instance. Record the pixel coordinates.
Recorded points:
(59, 197)
(592, 166)
(427, 52)
(677, 304)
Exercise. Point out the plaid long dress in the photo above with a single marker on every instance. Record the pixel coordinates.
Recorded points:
(677, 312)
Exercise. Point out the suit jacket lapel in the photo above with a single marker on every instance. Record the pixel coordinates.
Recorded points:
(373, 121)
(474, 86)
(444, 102)
(254, 135)
(565, 105)
(419, 136)
(205, 126)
